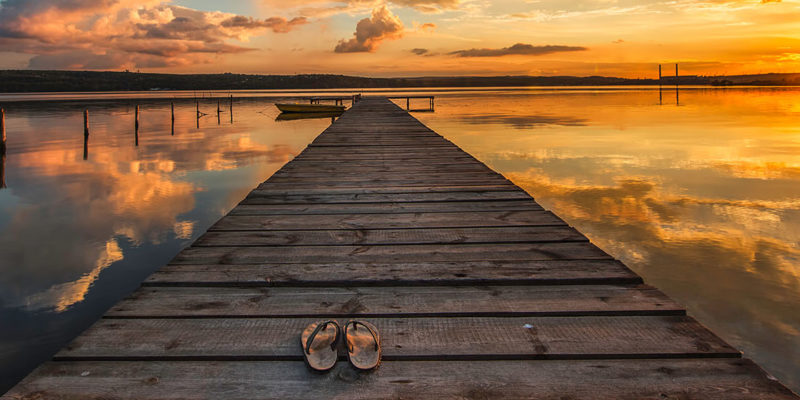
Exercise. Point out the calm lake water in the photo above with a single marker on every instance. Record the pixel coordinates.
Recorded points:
(702, 197)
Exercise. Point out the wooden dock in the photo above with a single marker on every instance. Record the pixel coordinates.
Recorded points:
(479, 293)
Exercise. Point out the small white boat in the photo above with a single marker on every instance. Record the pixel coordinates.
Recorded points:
(308, 108)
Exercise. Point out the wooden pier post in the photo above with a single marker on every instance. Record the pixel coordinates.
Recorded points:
(2, 170)
(3, 131)
(677, 89)
(197, 112)
(231, 110)
(218, 113)
(2, 148)
(408, 103)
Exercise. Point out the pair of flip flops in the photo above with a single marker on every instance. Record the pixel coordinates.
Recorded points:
(320, 344)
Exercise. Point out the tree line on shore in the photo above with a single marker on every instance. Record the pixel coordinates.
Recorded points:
(86, 81)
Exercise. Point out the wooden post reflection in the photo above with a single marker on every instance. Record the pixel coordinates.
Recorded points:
(172, 107)
(231, 109)
(85, 134)
(3, 131)
(136, 126)
(2, 148)
(660, 89)
(218, 112)
(3, 169)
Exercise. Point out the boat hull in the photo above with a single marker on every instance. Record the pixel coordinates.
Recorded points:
(296, 115)
(308, 108)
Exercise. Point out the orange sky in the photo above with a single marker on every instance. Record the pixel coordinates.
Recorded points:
(403, 37)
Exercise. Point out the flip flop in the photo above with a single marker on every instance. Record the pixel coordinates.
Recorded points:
(363, 345)
(319, 345)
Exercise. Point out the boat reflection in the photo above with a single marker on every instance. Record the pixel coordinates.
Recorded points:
(315, 115)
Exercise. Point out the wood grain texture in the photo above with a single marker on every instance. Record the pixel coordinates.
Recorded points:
(241, 221)
(396, 274)
(454, 338)
(267, 197)
(711, 379)
(391, 253)
(400, 301)
(362, 237)
(385, 208)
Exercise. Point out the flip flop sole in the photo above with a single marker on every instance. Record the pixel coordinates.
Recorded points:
(363, 345)
(321, 355)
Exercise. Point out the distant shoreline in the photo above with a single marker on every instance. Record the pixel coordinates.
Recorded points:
(28, 81)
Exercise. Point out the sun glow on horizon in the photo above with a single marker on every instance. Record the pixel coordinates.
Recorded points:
(404, 37)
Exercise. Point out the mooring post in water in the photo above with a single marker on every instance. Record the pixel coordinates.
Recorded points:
(677, 89)
(2, 170)
(231, 108)
(86, 122)
(3, 131)
(408, 103)
(136, 127)
(172, 125)
(218, 112)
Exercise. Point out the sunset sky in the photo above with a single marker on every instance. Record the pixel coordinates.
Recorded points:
(403, 37)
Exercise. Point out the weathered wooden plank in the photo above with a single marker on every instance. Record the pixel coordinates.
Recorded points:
(444, 151)
(386, 208)
(344, 168)
(278, 189)
(391, 253)
(394, 157)
(431, 163)
(375, 302)
(361, 237)
(417, 184)
(378, 140)
(376, 273)
(663, 379)
(400, 146)
(259, 196)
(390, 175)
(374, 221)
(406, 338)
(410, 181)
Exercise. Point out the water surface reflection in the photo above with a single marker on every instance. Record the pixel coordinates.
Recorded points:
(75, 212)
(701, 199)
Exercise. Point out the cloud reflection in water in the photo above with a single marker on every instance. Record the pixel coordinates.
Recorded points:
(703, 199)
